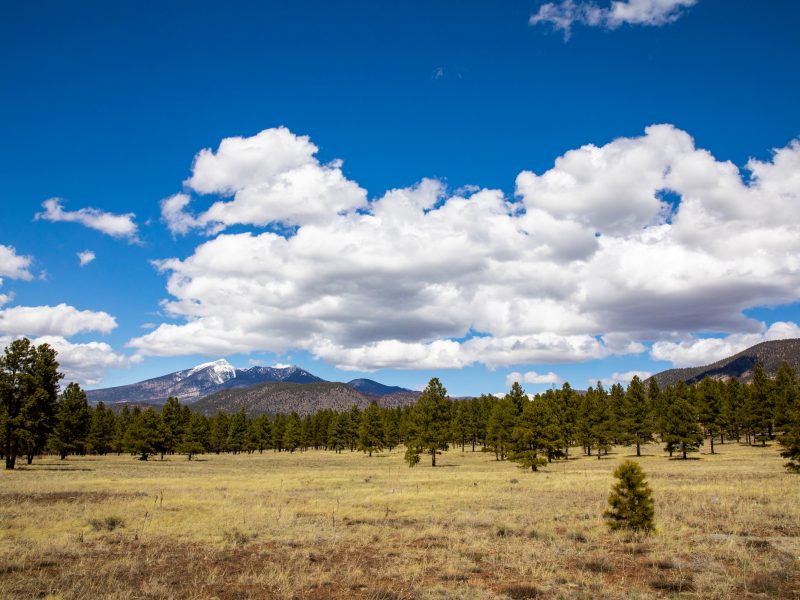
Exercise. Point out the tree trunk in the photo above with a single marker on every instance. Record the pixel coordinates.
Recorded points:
(10, 460)
(433, 457)
(638, 449)
(712, 443)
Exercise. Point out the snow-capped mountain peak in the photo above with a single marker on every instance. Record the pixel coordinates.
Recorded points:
(219, 370)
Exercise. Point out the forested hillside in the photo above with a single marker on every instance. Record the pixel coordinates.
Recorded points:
(769, 355)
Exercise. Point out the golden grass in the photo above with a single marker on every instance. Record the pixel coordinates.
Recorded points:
(325, 525)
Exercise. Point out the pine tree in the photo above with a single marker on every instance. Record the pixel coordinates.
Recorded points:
(263, 432)
(709, 398)
(790, 440)
(143, 436)
(371, 437)
(337, 432)
(760, 406)
(638, 425)
(237, 433)
(218, 432)
(786, 395)
(292, 434)
(72, 422)
(28, 393)
(631, 502)
(517, 397)
(567, 404)
(429, 426)
(537, 435)
(500, 428)
(171, 424)
(278, 429)
(101, 430)
(391, 428)
(681, 430)
(193, 436)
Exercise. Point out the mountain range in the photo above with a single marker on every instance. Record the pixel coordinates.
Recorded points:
(218, 385)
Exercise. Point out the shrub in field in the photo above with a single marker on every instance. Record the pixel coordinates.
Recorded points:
(630, 502)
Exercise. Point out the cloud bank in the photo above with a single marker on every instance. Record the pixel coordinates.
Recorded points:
(643, 239)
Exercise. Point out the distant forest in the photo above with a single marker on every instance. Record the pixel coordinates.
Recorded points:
(36, 418)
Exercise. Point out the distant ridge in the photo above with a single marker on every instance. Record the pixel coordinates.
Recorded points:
(283, 397)
(373, 388)
(739, 366)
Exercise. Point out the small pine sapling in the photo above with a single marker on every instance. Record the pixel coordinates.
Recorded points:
(631, 503)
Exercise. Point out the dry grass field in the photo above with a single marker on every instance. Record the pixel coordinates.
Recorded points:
(322, 525)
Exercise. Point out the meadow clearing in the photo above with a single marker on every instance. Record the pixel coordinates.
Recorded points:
(322, 525)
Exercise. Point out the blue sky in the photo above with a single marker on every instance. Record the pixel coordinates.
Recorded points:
(575, 270)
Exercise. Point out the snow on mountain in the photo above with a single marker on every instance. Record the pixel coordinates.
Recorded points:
(219, 371)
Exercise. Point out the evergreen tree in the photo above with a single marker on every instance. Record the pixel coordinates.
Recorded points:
(429, 427)
(391, 428)
(292, 434)
(617, 413)
(72, 422)
(790, 440)
(28, 393)
(263, 432)
(537, 436)
(195, 432)
(517, 397)
(631, 502)
(638, 425)
(101, 429)
(237, 433)
(461, 423)
(354, 423)
(278, 429)
(171, 424)
(603, 422)
(709, 399)
(681, 430)
(500, 428)
(121, 425)
(760, 407)
(567, 406)
(337, 432)
(371, 436)
(218, 432)
(786, 396)
(144, 435)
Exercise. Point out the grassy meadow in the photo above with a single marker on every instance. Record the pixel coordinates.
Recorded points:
(323, 525)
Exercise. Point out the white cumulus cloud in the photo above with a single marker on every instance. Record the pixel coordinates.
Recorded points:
(115, 225)
(60, 320)
(86, 257)
(641, 239)
(13, 265)
(271, 177)
(567, 13)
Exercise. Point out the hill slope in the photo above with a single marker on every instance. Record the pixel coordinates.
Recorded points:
(304, 398)
(740, 366)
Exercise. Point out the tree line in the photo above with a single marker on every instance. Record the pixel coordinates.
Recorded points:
(531, 431)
